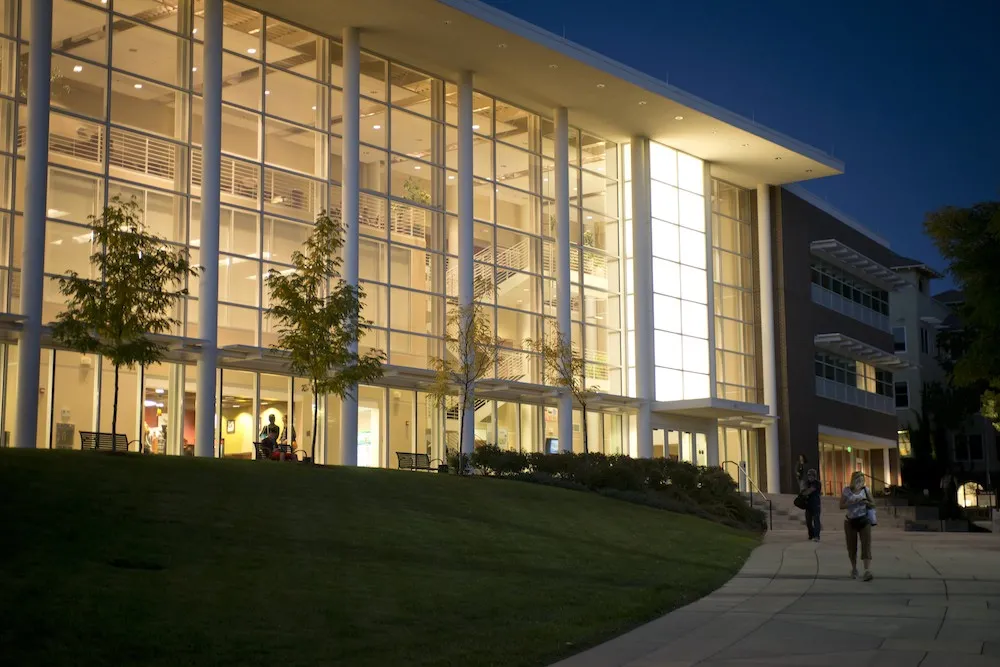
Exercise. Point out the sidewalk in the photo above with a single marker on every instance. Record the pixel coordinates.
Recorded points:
(935, 602)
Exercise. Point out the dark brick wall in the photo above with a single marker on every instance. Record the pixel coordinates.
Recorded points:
(795, 225)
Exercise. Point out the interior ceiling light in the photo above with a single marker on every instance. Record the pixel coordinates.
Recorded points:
(77, 68)
(475, 127)
(642, 102)
(809, 171)
(314, 107)
(448, 22)
(746, 145)
(553, 66)
(600, 85)
(194, 69)
(376, 127)
(251, 51)
(138, 86)
(678, 117)
(502, 45)
(778, 157)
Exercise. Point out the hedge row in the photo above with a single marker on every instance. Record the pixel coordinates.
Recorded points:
(673, 485)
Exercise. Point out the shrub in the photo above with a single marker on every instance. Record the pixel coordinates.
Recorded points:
(674, 485)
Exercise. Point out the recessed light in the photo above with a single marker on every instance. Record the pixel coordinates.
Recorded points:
(778, 158)
(546, 180)
(553, 66)
(451, 178)
(267, 92)
(416, 167)
(255, 31)
(137, 86)
(194, 31)
(502, 45)
(376, 127)
(77, 68)
(746, 145)
(642, 102)
(447, 22)
(600, 85)
(590, 217)
(809, 171)
(194, 69)
(314, 107)
(678, 117)
(251, 51)
(475, 127)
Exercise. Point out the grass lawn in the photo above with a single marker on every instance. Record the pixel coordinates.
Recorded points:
(129, 560)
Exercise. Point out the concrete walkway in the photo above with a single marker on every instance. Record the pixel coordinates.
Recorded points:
(935, 602)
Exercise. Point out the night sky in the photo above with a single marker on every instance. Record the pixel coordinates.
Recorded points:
(905, 92)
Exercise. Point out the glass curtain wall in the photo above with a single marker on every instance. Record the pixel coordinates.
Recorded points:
(126, 119)
(735, 312)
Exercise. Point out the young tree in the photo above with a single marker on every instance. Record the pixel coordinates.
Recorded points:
(471, 351)
(318, 318)
(568, 370)
(137, 279)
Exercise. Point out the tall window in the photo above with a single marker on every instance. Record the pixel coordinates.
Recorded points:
(899, 339)
(733, 282)
(902, 390)
(847, 286)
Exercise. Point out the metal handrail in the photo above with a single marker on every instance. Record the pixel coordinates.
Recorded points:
(753, 485)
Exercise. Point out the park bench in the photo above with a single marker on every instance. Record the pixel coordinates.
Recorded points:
(408, 461)
(103, 442)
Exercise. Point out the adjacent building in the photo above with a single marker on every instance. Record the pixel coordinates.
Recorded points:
(834, 296)
(470, 156)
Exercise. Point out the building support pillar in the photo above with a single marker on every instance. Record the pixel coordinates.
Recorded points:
(712, 444)
(886, 467)
(466, 232)
(206, 422)
(768, 353)
(349, 209)
(29, 347)
(564, 303)
(642, 268)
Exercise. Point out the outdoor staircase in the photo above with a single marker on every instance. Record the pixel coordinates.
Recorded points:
(788, 517)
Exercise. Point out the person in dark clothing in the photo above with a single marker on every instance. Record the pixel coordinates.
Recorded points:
(814, 505)
(800, 472)
(270, 429)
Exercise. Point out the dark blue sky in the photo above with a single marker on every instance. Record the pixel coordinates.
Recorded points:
(905, 92)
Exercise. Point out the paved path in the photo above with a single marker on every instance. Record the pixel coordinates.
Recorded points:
(935, 602)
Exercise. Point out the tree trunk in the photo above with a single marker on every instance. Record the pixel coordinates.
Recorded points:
(114, 415)
(312, 455)
(586, 443)
(461, 433)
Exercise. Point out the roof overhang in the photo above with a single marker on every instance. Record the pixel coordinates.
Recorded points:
(928, 271)
(839, 436)
(852, 261)
(852, 348)
(521, 63)
(178, 348)
(733, 413)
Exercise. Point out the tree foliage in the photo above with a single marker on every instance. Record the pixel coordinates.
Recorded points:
(566, 368)
(135, 281)
(471, 351)
(317, 315)
(969, 239)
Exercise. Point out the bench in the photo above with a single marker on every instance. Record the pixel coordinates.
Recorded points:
(264, 455)
(408, 461)
(102, 442)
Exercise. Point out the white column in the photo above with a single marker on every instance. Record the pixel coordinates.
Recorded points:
(712, 443)
(349, 207)
(208, 297)
(767, 335)
(466, 231)
(29, 346)
(886, 467)
(563, 278)
(642, 267)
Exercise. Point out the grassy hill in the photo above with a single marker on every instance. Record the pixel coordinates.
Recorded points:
(129, 560)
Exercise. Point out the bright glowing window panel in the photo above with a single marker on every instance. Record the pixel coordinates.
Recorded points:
(680, 277)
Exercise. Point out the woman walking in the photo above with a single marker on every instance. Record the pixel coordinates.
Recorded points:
(857, 501)
(814, 503)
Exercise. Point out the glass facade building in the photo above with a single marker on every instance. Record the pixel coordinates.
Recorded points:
(124, 124)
